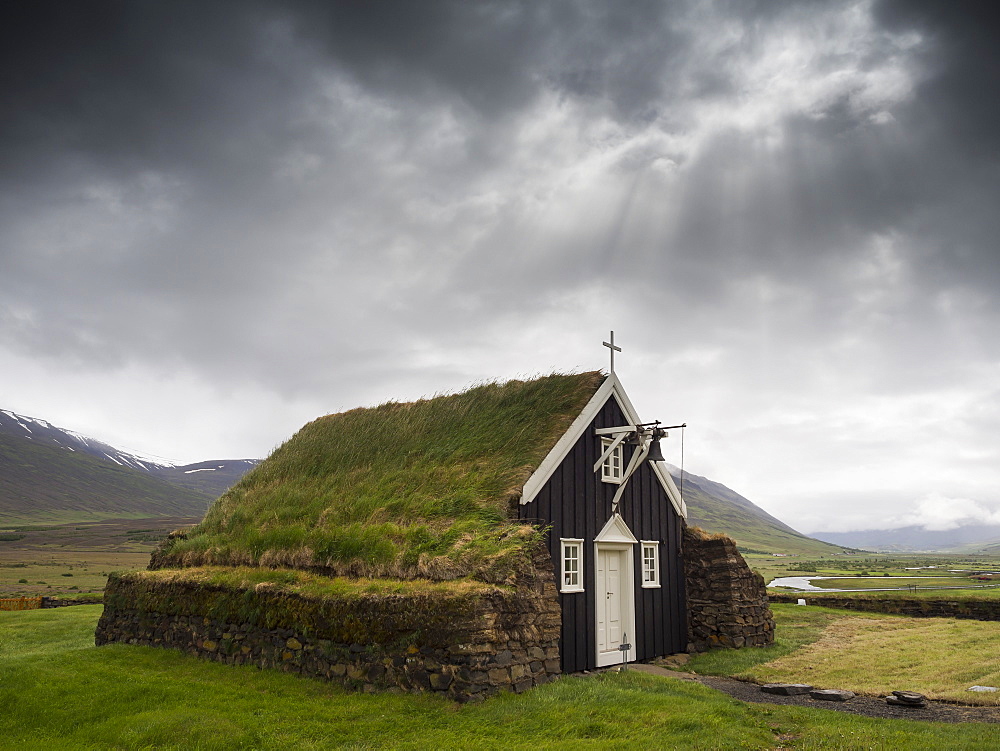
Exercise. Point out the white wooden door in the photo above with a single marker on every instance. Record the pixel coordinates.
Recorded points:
(609, 599)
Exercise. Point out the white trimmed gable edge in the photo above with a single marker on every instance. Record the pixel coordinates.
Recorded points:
(611, 387)
(616, 530)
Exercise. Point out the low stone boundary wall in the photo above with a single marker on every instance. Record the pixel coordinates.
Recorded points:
(979, 610)
(461, 671)
(727, 602)
(466, 646)
(65, 602)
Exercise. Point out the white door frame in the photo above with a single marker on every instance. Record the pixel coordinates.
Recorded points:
(627, 584)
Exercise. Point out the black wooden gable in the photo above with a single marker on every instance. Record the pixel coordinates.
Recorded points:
(574, 502)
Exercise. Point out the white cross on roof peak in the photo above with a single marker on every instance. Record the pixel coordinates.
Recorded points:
(611, 345)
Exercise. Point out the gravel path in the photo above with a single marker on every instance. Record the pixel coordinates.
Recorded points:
(935, 711)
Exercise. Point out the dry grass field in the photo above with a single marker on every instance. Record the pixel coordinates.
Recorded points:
(871, 654)
(75, 558)
(874, 655)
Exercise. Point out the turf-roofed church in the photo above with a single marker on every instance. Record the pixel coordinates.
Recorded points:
(466, 543)
(615, 520)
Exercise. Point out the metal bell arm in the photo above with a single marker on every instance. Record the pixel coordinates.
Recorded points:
(637, 458)
(620, 435)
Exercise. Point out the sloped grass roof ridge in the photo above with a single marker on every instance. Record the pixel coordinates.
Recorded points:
(418, 489)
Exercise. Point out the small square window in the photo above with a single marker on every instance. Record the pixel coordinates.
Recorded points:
(571, 578)
(650, 563)
(612, 468)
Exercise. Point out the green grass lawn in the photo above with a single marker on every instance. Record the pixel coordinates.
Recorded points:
(817, 597)
(58, 691)
(887, 566)
(879, 582)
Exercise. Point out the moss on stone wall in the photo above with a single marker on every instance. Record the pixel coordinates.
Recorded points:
(348, 611)
(464, 638)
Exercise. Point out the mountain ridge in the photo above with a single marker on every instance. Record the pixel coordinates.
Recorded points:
(50, 474)
(214, 476)
(717, 508)
(966, 538)
(43, 483)
(45, 433)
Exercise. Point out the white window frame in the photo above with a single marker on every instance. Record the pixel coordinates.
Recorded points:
(613, 467)
(564, 586)
(654, 580)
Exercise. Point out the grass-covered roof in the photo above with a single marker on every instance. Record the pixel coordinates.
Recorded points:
(420, 489)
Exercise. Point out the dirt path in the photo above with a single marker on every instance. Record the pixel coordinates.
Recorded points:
(935, 711)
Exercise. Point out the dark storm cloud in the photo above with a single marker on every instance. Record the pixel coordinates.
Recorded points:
(148, 130)
(146, 83)
(956, 119)
(792, 202)
(496, 55)
(143, 82)
(120, 108)
(125, 82)
(213, 95)
(963, 69)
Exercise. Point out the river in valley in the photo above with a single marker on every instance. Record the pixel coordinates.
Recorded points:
(805, 583)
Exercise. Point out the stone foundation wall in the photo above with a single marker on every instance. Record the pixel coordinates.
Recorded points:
(467, 647)
(727, 603)
(981, 610)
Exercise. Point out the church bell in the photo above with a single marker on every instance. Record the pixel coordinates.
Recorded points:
(655, 453)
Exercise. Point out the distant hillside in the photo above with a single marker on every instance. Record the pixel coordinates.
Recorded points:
(716, 508)
(40, 483)
(45, 433)
(992, 548)
(48, 474)
(212, 477)
(52, 475)
(971, 538)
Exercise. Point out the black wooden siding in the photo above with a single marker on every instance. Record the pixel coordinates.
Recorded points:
(576, 503)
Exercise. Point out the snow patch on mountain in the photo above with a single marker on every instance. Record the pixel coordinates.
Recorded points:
(43, 431)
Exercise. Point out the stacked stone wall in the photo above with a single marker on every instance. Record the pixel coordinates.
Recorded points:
(467, 647)
(727, 603)
(62, 602)
(980, 610)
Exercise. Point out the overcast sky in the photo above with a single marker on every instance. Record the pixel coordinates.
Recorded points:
(221, 220)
